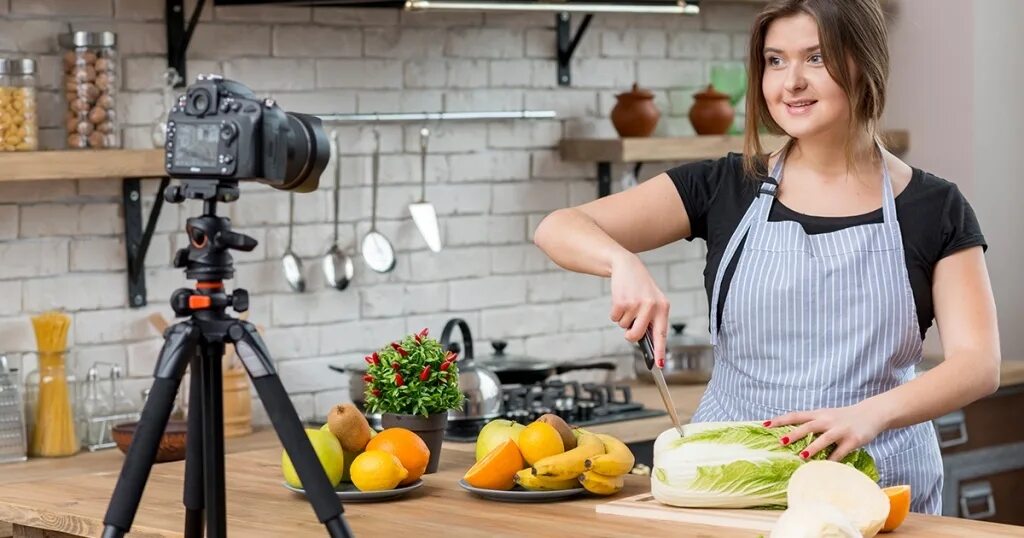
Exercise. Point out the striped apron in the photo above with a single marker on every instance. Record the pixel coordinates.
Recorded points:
(817, 321)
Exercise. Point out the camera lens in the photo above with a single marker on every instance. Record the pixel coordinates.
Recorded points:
(199, 101)
(308, 153)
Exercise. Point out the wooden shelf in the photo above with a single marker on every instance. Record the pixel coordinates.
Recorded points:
(691, 148)
(81, 164)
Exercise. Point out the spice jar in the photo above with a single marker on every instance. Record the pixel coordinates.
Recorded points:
(19, 128)
(90, 89)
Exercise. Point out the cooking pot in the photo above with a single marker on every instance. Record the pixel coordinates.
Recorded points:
(688, 359)
(514, 370)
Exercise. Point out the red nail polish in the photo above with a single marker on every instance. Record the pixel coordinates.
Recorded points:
(805, 454)
(766, 423)
(785, 440)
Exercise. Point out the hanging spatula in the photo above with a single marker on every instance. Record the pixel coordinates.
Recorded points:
(423, 213)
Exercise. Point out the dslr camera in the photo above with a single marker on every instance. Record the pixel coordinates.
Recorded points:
(220, 130)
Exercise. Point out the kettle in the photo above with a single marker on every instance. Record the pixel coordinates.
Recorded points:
(479, 386)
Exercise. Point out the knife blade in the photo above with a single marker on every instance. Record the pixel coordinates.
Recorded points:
(647, 347)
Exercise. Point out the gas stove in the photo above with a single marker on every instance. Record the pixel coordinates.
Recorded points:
(580, 404)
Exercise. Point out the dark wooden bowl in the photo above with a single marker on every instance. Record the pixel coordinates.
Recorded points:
(172, 444)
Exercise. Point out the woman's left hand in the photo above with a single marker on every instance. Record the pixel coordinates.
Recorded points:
(848, 427)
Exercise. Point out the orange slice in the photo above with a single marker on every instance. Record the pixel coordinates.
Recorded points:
(899, 506)
(498, 468)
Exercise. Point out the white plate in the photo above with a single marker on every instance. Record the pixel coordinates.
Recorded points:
(348, 492)
(519, 495)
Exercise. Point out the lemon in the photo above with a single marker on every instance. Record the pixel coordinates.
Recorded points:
(538, 441)
(376, 470)
(328, 451)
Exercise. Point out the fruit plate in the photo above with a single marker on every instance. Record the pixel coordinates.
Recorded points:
(348, 492)
(519, 495)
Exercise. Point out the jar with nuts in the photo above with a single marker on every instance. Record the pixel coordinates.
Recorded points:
(90, 89)
(19, 129)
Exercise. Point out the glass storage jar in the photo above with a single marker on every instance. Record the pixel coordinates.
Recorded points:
(51, 393)
(90, 89)
(19, 128)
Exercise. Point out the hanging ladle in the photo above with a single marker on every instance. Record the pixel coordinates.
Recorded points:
(337, 265)
(377, 250)
(423, 213)
(290, 262)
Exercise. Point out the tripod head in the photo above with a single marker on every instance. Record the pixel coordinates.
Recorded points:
(206, 259)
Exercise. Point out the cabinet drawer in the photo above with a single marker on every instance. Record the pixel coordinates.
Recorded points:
(996, 420)
(998, 497)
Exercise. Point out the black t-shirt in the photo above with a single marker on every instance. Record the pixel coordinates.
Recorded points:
(935, 220)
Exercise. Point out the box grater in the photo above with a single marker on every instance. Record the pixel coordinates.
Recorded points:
(13, 442)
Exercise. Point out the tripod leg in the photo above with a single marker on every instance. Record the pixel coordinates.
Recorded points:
(213, 440)
(179, 346)
(254, 355)
(193, 498)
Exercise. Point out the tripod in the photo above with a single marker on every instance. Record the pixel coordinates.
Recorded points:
(198, 342)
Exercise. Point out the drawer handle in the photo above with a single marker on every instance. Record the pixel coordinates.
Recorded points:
(952, 429)
(972, 493)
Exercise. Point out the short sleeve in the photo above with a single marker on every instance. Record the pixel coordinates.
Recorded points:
(697, 184)
(960, 227)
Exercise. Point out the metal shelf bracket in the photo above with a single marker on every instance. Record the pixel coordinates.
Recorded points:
(179, 35)
(137, 238)
(566, 44)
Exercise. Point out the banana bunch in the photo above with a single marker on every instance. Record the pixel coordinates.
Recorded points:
(598, 462)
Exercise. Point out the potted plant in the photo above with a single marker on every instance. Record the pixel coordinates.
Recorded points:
(413, 384)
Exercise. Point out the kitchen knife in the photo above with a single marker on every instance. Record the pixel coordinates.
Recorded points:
(647, 347)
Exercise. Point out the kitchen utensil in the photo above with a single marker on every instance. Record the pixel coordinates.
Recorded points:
(348, 493)
(519, 495)
(512, 370)
(13, 442)
(377, 250)
(480, 386)
(172, 444)
(338, 267)
(647, 345)
(645, 507)
(688, 359)
(423, 213)
(291, 263)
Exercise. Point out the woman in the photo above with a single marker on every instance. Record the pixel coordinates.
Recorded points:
(820, 287)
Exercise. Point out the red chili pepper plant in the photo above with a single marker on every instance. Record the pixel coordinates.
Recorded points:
(413, 376)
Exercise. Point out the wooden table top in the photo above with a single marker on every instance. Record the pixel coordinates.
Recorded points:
(258, 505)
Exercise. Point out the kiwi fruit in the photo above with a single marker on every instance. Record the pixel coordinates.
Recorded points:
(349, 426)
(563, 429)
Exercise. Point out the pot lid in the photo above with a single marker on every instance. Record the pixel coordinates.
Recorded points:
(498, 361)
(636, 93)
(677, 338)
(710, 93)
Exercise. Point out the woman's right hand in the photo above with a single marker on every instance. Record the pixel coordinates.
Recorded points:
(638, 303)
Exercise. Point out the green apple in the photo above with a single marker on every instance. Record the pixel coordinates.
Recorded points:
(495, 433)
(328, 451)
(349, 456)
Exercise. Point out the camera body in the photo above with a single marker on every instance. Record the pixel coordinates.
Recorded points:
(220, 130)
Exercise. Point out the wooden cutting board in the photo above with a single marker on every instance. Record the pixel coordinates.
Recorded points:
(760, 522)
(644, 506)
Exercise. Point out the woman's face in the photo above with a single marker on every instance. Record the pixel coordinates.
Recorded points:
(801, 95)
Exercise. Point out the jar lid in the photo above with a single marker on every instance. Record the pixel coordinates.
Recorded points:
(88, 39)
(637, 92)
(711, 93)
(17, 66)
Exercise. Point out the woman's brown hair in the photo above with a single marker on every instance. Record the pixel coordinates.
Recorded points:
(848, 31)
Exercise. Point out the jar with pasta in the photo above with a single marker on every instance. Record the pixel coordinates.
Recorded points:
(90, 89)
(19, 128)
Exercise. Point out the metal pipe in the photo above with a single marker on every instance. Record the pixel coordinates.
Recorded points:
(436, 116)
(681, 7)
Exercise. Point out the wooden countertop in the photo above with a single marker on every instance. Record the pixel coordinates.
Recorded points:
(258, 505)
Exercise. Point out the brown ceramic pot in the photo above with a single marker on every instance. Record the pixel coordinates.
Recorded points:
(635, 113)
(711, 113)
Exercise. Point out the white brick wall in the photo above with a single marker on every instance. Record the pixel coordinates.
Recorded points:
(61, 243)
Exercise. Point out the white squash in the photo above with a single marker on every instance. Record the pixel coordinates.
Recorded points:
(814, 520)
(847, 489)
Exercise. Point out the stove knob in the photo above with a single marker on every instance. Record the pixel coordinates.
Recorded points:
(584, 411)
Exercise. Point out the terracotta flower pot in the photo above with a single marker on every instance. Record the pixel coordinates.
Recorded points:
(635, 114)
(430, 429)
(711, 113)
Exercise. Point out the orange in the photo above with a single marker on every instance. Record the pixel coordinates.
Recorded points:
(410, 449)
(540, 440)
(899, 506)
(498, 468)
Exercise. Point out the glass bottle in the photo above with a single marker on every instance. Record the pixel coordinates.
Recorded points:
(120, 402)
(19, 126)
(94, 405)
(90, 89)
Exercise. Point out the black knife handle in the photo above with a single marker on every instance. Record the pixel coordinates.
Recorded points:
(646, 344)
